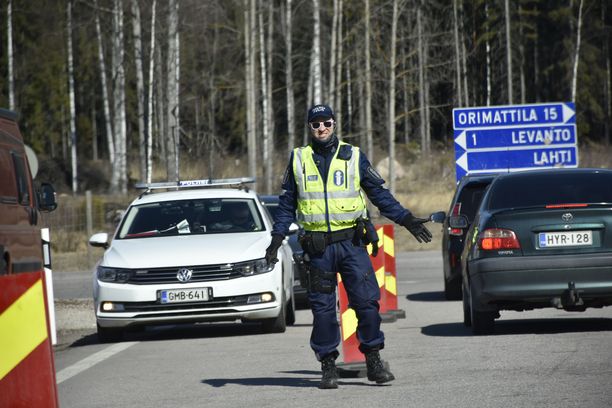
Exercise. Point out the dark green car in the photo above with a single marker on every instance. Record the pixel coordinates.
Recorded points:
(540, 239)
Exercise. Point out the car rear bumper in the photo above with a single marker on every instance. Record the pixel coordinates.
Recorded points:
(537, 280)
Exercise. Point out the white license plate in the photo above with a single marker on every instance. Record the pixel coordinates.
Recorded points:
(565, 238)
(184, 295)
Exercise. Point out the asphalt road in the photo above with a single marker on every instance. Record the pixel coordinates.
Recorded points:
(545, 358)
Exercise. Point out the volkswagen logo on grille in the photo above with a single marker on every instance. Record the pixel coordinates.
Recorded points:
(567, 217)
(184, 274)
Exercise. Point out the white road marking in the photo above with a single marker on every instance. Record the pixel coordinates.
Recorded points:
(92, 360)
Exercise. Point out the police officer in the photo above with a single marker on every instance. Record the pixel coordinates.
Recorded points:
(324, 185)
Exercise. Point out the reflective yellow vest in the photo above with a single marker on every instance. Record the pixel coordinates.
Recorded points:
(340, 197)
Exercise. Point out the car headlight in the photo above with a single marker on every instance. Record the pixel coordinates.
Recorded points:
(115, 275)
(253, 267)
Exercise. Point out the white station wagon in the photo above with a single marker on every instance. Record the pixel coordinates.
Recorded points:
(195, 254)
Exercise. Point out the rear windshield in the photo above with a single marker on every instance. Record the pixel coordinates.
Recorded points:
(553, 188)
(185, 217)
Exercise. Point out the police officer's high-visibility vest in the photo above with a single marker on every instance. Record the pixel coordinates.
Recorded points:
(340, 193)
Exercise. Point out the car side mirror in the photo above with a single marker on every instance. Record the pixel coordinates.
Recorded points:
(458, 221)
(46, 198)
(99, 239)
(438, 217)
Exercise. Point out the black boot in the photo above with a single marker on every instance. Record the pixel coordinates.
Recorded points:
(329, 379)
(376, 369)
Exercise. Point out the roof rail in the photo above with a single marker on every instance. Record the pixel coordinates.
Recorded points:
(205, 183)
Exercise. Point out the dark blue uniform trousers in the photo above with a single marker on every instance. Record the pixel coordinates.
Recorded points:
(353, 264)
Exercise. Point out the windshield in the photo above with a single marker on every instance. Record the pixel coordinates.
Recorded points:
(185, 217)
(530, 190)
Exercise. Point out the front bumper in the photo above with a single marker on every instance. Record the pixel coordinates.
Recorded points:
(229, 302)
(535, 281)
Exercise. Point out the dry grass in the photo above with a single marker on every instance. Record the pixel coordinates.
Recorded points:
(427, 185)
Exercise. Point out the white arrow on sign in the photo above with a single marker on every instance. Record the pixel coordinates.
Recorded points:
(460, 140)
(463, 161)
(568, 112)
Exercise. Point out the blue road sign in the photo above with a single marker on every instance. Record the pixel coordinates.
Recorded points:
(515, 137)
(514, 115)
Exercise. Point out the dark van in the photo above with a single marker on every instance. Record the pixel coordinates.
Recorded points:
(20, 203)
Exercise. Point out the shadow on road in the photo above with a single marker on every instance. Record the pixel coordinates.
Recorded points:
(180, 331)
(427, 297)
(526, 326)
(300, 382)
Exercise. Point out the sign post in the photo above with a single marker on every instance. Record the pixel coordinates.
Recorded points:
(514, 137)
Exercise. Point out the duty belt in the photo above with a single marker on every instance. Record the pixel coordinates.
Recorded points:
(335, 236)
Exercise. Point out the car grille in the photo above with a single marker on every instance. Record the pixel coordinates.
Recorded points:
(205, 273)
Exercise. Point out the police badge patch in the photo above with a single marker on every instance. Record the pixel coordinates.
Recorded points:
(338, 177)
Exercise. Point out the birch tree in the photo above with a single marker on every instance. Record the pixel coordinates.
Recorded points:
(288, 27)
(119, 179)
(140, 89)
(508, 51)
(9, 48)
(249, 41)
(391, 114)
(368, 85)
(265, 100)
(110, 140)
(577, 53)
(73, 136)
(173, 75)
(149, 127)
(459, 96)
(316, 54)
(337, 99)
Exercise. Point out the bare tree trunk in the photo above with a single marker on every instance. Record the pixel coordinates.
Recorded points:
(9, 48)
(488, 52)
(289, 77)
(349, 99)
(110, 139)
(608, 90)
(421, 77)
(368, 86)
(249, 38)
(316, 54)
(466, 93)
(331, 88)
(161, 107)
(149, 128)
(266, 145)
(140, 89)
(338, 82)
(119, 100)
(508, 51)
(73, 135)
(391, 115)
(459, 97)
(173, 63)
(522, 57)
(577, 54)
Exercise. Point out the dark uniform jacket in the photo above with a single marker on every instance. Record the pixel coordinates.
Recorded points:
(371, 184)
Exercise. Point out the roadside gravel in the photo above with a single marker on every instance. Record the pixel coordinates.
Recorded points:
(74, 320)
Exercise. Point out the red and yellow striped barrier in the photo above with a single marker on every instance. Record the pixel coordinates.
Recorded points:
(384, 268)
(27, 373)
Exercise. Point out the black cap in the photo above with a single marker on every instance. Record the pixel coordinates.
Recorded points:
(320, 112)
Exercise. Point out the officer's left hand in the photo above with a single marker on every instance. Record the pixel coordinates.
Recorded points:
(416, 228)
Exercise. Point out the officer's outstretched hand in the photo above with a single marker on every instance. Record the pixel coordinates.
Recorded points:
(272, 250)
(416, 227)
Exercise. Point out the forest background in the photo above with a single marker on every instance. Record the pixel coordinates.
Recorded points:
(111, 92)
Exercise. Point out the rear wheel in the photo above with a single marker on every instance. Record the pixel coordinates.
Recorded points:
(452, 289)
(483, 322)
(109, 334)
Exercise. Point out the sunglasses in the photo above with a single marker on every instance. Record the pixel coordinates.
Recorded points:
(316, 125)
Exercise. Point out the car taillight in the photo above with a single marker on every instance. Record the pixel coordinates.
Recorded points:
(497, 238)
(455, 212)
(456, 231)
(456, 209)
(574, 205)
